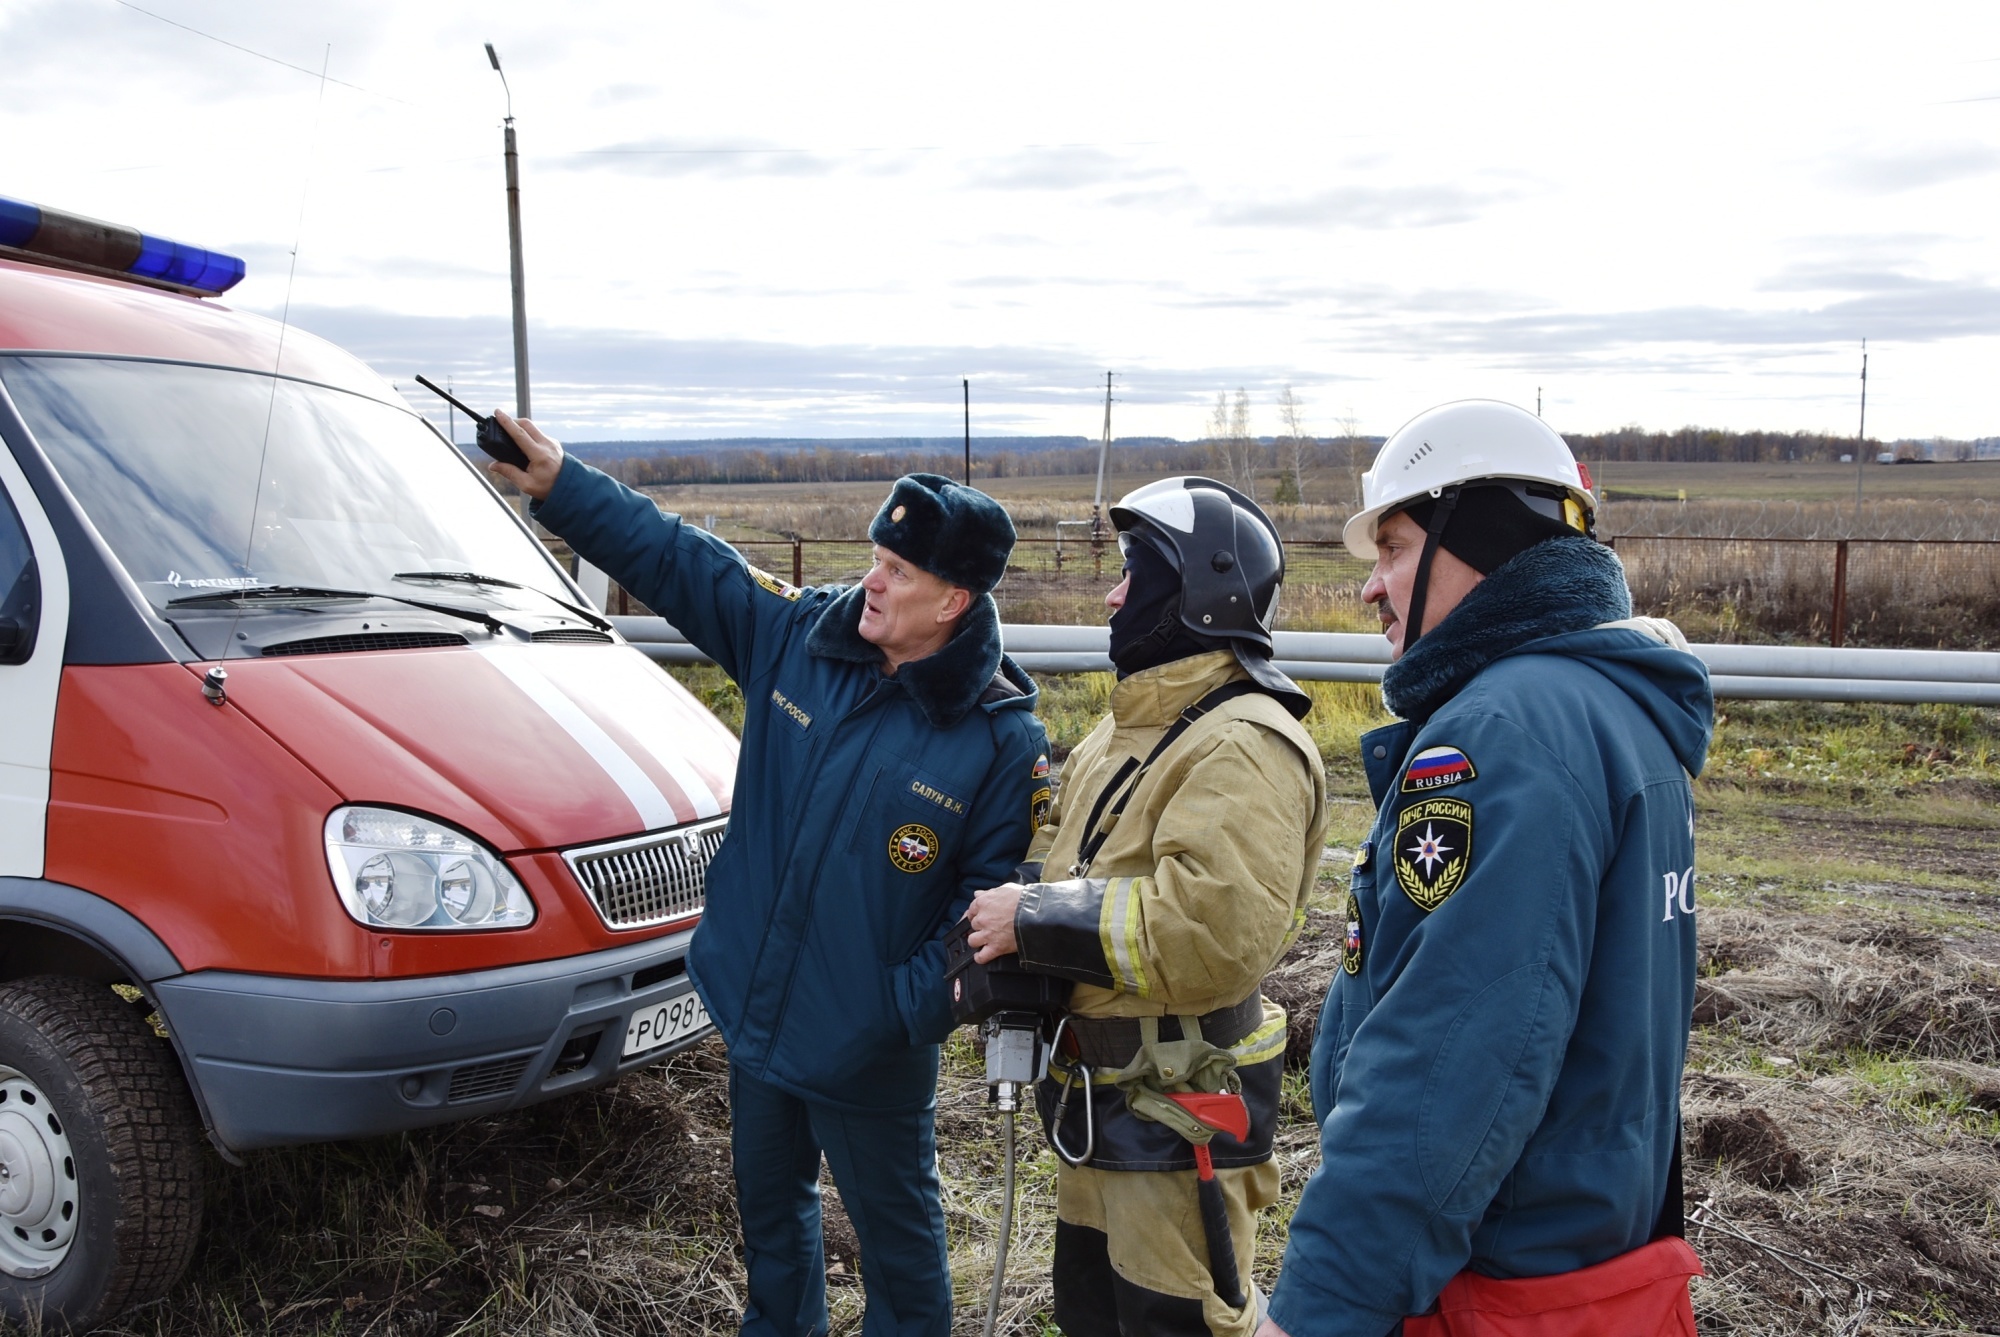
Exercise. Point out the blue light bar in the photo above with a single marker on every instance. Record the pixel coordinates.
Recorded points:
(70, 241)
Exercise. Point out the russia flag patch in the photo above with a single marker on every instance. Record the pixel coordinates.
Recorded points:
(1435, 768)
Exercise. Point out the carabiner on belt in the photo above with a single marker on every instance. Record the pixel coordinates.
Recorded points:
(1062, 1105)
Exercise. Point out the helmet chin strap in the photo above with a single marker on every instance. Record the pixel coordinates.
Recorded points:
(1413, 621)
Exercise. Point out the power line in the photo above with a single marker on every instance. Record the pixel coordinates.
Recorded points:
(238, 46)
(879, 148)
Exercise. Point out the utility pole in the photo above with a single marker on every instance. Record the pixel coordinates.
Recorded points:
(521, 405)
(968, 431)
(1103, 453)
(1861, 438)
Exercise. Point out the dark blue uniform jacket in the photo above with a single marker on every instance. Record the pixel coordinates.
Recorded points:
(867, 808)
(1497, 1067)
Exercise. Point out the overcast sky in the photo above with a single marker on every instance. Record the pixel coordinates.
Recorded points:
(813, 219)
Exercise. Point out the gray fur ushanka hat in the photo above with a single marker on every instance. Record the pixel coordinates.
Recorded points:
(957, 533)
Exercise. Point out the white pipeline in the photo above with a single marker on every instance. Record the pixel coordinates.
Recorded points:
(1740, 672)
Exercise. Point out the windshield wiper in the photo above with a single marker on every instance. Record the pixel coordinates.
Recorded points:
(265, 592)
(474, 578)
(458, 578)
(318, 592)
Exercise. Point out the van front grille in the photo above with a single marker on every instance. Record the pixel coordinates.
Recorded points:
(371, 640)
(649, 879)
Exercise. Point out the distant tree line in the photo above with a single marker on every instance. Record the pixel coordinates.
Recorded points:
(1271, 468)
(1709, 445)
(822, 463)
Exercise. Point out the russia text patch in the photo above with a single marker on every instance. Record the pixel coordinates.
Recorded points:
(1436, 767)
(1433, 849)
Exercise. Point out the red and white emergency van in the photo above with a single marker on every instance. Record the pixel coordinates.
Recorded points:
(328, 806)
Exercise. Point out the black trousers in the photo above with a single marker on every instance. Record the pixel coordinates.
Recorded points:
(1092, 1300)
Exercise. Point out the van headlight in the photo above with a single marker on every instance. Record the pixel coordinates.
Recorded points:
(395, 870)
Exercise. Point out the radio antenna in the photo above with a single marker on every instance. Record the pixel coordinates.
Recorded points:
(284, 324)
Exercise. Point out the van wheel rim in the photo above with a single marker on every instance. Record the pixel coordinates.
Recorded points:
(40, 1199)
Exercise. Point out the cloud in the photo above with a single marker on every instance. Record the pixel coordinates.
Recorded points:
(620, 383)
(1913, 312)
(1060, 167)
(663, 157)
(1893, 173)
(617, 94)
(1370, 207)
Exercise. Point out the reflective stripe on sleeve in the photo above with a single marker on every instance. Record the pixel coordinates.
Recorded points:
(1118, 930)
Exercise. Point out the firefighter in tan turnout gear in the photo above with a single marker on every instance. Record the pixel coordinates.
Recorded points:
(1173, 873)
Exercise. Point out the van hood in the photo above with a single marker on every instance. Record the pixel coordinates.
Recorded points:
(526, 746)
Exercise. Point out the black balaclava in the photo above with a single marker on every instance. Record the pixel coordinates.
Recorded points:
(1482, 526)
(1148, 630)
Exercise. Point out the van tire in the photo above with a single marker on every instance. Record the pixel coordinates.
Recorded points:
(130, 1123)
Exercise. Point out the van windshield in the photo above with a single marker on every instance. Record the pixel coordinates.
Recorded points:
(203, 479)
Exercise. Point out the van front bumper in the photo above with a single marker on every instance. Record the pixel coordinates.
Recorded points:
(277, 1060)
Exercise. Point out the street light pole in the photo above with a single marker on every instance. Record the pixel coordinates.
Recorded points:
(521, 406)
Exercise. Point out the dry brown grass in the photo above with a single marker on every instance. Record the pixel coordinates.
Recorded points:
(1842, 1101)
(1740, 582)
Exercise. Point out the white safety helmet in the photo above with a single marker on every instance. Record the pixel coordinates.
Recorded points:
(1472, 441)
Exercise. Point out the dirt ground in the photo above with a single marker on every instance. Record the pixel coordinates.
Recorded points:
(1842, 1110)
(1843, 1149)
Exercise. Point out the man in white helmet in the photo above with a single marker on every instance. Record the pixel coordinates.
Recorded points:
(1172, 874)
(1497, 1067)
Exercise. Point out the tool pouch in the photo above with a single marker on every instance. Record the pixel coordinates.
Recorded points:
(1137, 1127)
(1190, 1064)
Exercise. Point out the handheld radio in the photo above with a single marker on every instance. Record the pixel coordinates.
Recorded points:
(489, 435)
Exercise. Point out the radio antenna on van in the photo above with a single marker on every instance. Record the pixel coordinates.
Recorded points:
(284, 324)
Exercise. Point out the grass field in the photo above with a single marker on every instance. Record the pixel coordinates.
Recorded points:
(1759, 585)
(1842, 1098)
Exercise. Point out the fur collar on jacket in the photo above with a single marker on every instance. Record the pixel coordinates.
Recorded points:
(945, 685)
(1563, 585)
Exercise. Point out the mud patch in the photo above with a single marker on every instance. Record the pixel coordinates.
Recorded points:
(1748, 1144)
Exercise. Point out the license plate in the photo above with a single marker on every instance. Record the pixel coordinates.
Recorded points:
(664, 1022)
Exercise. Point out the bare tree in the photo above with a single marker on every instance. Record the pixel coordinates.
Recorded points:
(1295, 449)
(1356, 452)
(1218, 438)
(1230, 442)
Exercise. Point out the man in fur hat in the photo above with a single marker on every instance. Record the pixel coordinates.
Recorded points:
(889, 766)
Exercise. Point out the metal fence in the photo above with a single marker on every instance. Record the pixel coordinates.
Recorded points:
(1902, 593)
(1064, 580)
(1942, 593)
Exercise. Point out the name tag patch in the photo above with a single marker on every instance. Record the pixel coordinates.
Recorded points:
(938, 796)
(784, 703)
(1436, 767)
(1433, 850)
(913, 847)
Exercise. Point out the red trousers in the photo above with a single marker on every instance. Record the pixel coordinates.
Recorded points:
(1643, 1293)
